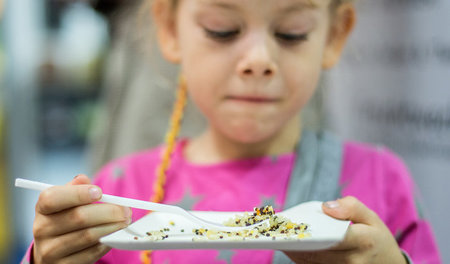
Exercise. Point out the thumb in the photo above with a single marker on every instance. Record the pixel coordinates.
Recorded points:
(80, 179)
(350, 208)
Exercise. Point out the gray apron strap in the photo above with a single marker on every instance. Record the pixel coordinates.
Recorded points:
(316, 174)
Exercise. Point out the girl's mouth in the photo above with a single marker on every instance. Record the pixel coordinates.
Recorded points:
(252, 99)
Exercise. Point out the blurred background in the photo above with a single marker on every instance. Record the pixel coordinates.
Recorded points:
(78, 88)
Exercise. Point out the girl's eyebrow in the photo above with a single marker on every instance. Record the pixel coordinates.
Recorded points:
(297, 5)
(220, 3)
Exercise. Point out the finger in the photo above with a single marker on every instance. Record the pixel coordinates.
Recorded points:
(357, 235)
(58, 198)
(87, 256)
(78, 218)
(350, 208)
(80, 179)
(71, 243)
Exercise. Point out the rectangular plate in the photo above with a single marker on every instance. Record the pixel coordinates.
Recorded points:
(325, 232)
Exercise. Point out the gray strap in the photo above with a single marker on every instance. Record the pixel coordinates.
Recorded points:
(407, 257)
(328, 170)
(315, 175)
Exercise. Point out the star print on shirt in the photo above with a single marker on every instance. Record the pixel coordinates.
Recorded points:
(189, 201)
(270, 200)
(274, 159)
(225, 255)
(118, 172)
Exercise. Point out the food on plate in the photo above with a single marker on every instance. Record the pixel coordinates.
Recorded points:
(278, 227)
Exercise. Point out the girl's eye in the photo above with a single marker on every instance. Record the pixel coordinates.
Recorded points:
(291, 38)
(221, 35)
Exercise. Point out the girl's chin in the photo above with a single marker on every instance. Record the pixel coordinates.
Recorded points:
(248, 135)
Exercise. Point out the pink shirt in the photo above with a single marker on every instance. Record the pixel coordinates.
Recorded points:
(373, 175)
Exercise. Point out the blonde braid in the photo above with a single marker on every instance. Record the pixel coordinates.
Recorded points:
(170, 140)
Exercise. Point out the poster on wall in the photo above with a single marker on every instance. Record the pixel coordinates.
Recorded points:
(393, 88)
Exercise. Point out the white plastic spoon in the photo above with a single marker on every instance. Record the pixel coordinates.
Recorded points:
(39, 186)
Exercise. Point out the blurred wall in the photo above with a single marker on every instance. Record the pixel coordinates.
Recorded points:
(393, 88)
(22, 20)
(49, 94)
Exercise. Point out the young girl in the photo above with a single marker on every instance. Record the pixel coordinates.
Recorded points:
(250, 67)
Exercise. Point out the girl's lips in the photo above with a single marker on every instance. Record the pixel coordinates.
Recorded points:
(252, 99)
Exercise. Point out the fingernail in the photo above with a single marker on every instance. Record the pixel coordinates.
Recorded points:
(127, 212)
(128, 221)
(332, 204)
(95, 193)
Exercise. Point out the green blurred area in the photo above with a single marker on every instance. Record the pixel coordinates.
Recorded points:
(5, 220)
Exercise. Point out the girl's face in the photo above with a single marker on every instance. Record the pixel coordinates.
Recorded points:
(252, 65)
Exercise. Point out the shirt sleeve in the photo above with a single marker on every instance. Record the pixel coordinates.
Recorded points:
(405, 216)
(380, 180)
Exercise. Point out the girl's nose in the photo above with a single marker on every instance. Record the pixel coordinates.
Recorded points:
(257, 62)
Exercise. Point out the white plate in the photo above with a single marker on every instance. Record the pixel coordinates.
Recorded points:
(325, 232)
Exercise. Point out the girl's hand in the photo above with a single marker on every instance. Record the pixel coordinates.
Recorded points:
(68, 225)
(367, 240)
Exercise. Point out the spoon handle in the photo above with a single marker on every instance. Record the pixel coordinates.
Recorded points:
(32, 185)
(106, 198)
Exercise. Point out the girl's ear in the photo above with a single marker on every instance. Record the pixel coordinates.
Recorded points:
(342, 25)
(164, 16)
